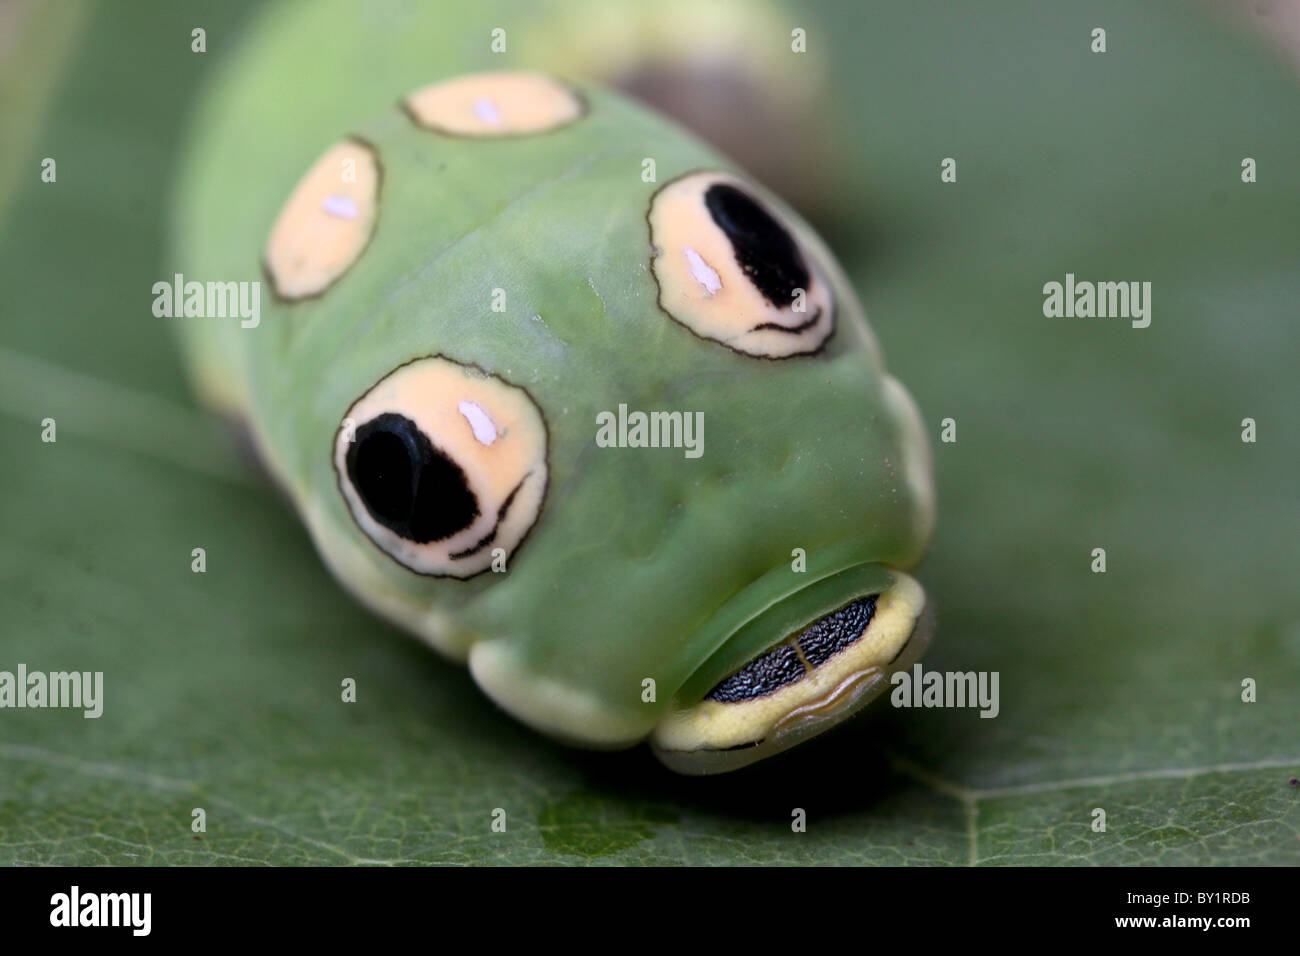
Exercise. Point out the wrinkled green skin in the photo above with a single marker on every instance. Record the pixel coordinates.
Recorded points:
(642, 563)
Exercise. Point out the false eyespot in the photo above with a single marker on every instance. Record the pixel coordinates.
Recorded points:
(731, 270)
(441, 463)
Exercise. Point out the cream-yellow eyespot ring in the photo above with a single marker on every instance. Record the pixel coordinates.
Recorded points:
(326, 223)
(731, 270)
(495, 104)
(443, 466)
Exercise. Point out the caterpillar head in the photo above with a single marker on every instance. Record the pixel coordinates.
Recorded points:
(558, 389)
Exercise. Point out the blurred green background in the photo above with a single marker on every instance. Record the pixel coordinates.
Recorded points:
(1119, 690)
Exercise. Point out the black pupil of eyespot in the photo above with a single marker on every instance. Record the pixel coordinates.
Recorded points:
(765, 250)
(406, 484)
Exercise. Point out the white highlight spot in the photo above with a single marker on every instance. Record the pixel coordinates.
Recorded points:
(484, 428)
(341, 206)
(704, 273)
(487, 111)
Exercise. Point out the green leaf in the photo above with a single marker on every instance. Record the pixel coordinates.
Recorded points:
(1119, 691)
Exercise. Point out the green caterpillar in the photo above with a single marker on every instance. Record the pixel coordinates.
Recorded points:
(494, 293)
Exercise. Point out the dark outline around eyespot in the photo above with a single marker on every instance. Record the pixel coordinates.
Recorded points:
(584, 109)
(374, 230)
(491, 536)
(541, 504)
(791, 329)
(834, 310)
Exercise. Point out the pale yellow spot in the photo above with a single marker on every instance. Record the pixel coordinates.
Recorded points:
(702, 286)
(495, 104)
(435, 393)
(713, 725)
(325, 225)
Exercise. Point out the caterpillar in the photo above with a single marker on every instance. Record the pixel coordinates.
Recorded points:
(552, 383)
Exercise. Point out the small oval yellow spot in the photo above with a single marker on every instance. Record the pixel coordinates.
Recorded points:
(495, 104)
(325, 225)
